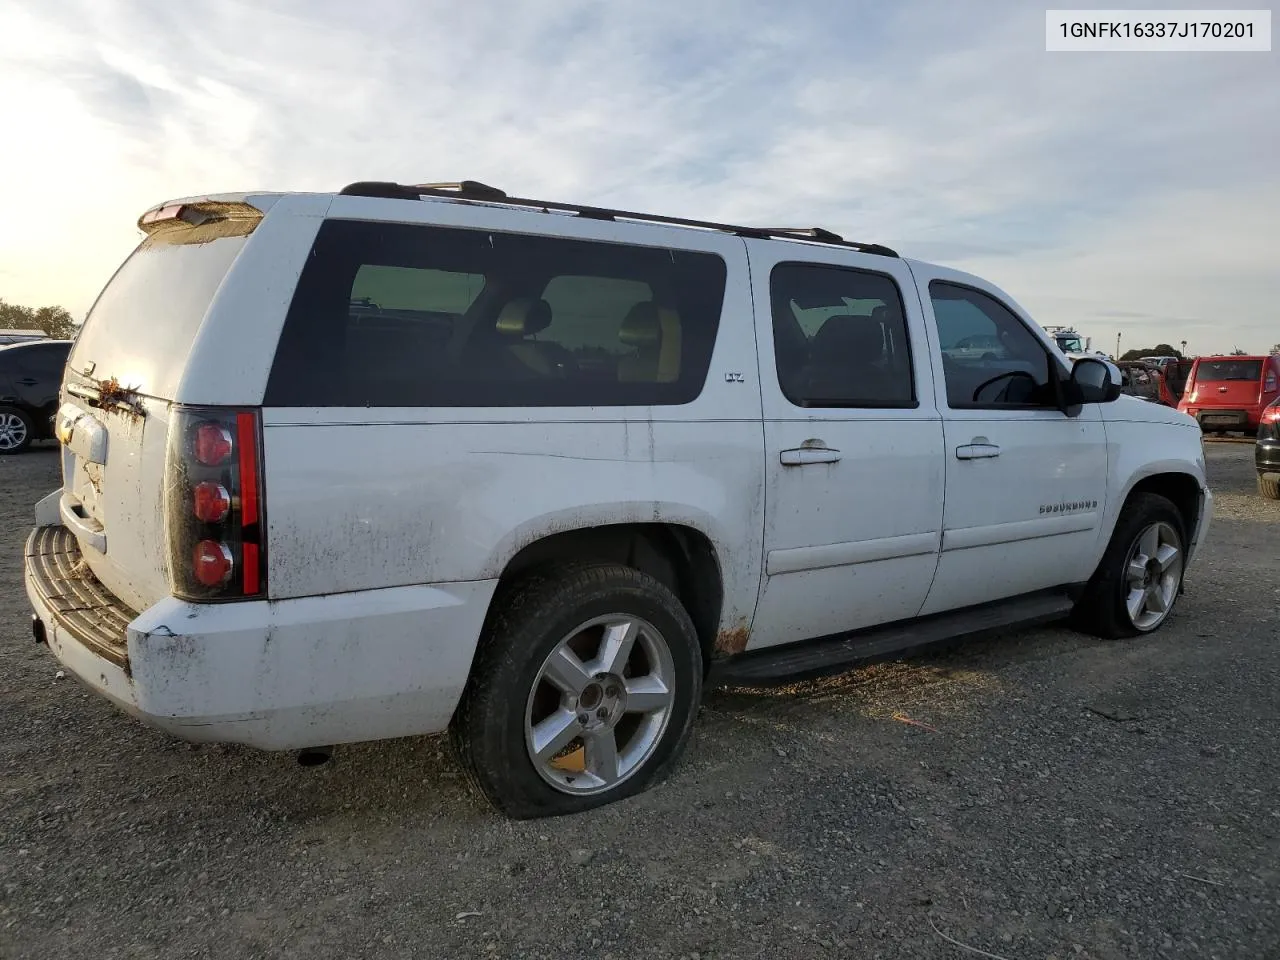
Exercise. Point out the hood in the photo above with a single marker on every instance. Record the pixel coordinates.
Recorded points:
(1126, 407)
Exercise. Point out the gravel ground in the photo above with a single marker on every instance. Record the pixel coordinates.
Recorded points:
(1055, 797)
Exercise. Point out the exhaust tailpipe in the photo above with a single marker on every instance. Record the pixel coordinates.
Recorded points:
(314, 756)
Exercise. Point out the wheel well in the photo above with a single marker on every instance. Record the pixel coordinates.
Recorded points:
(1180, 488)
(679, 557)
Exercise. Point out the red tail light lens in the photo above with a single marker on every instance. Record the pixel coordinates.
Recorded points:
(212, 563)
(214, 504)
(210, 501)
(1272, 413)
(212, 443)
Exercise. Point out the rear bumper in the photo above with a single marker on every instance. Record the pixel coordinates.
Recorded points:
(278, 675)
(1224, 418)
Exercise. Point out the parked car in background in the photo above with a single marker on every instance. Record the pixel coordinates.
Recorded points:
(1146, 381)
(1230, 393)
(21, 336)
(984, 346)
(30, 375)
(1175, 373)
(1266, 453)
(405, 459)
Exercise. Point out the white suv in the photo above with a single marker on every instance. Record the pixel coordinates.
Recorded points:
(396, 460)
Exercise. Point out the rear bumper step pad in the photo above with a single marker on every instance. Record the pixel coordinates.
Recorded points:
(83, 607)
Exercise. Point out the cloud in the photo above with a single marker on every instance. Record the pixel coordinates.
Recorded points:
(1196, 264)
(1087, 184)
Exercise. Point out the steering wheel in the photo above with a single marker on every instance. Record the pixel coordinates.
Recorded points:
(1011, 376)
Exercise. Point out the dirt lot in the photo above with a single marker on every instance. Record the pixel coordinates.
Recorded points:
(1068, 798)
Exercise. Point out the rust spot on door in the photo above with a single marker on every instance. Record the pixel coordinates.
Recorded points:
(733, 640)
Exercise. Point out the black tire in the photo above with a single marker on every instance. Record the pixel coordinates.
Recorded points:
(1268, 488)
(1101, 609)
(27, 428)
(527, 621)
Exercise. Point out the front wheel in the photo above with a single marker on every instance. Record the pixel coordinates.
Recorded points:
(15, 430)
(1268, 488)
(583, 691)
(1138, 581)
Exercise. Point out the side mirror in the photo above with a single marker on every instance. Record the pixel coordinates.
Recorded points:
(1094, 381)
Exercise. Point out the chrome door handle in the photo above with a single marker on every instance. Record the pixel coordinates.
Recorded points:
(799, 456)
(978, 450)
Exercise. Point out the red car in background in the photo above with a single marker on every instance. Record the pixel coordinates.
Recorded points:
(1230, 393)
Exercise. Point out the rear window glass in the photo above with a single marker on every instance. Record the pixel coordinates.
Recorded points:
(145, 321)
(409, 315)
(1218, 370)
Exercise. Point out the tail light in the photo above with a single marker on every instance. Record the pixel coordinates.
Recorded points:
(1272, 413)
(214, 504)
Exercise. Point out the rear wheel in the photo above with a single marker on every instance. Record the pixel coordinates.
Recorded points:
(1137, 583)
(15, 430)
(583, 692)
(1269, 488)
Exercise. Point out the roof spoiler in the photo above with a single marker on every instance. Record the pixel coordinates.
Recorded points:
(241, 216)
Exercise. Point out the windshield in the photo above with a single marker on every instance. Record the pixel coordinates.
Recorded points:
(1216, 371)
(1070, 345)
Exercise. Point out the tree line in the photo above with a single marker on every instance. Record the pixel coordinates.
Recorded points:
(1165, 350)
(54, 321)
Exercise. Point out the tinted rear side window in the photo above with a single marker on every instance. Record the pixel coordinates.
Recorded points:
(1215, 371)
(42, 361)
(408, 315)
(840, 337)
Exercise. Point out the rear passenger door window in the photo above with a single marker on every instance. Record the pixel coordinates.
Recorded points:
(414, 315)
(840, 337)
(990, 360)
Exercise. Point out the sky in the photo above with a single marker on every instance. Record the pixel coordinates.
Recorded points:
(1123, 193)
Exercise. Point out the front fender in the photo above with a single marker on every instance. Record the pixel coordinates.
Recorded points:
(1138, 451)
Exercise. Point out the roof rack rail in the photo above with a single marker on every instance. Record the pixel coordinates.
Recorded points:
(814, 233)
(469, 189)
(474, 190)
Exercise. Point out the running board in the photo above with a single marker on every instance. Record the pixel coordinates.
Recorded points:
(815, 658)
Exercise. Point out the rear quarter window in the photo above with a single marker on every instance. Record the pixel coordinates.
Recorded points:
(411, 315)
